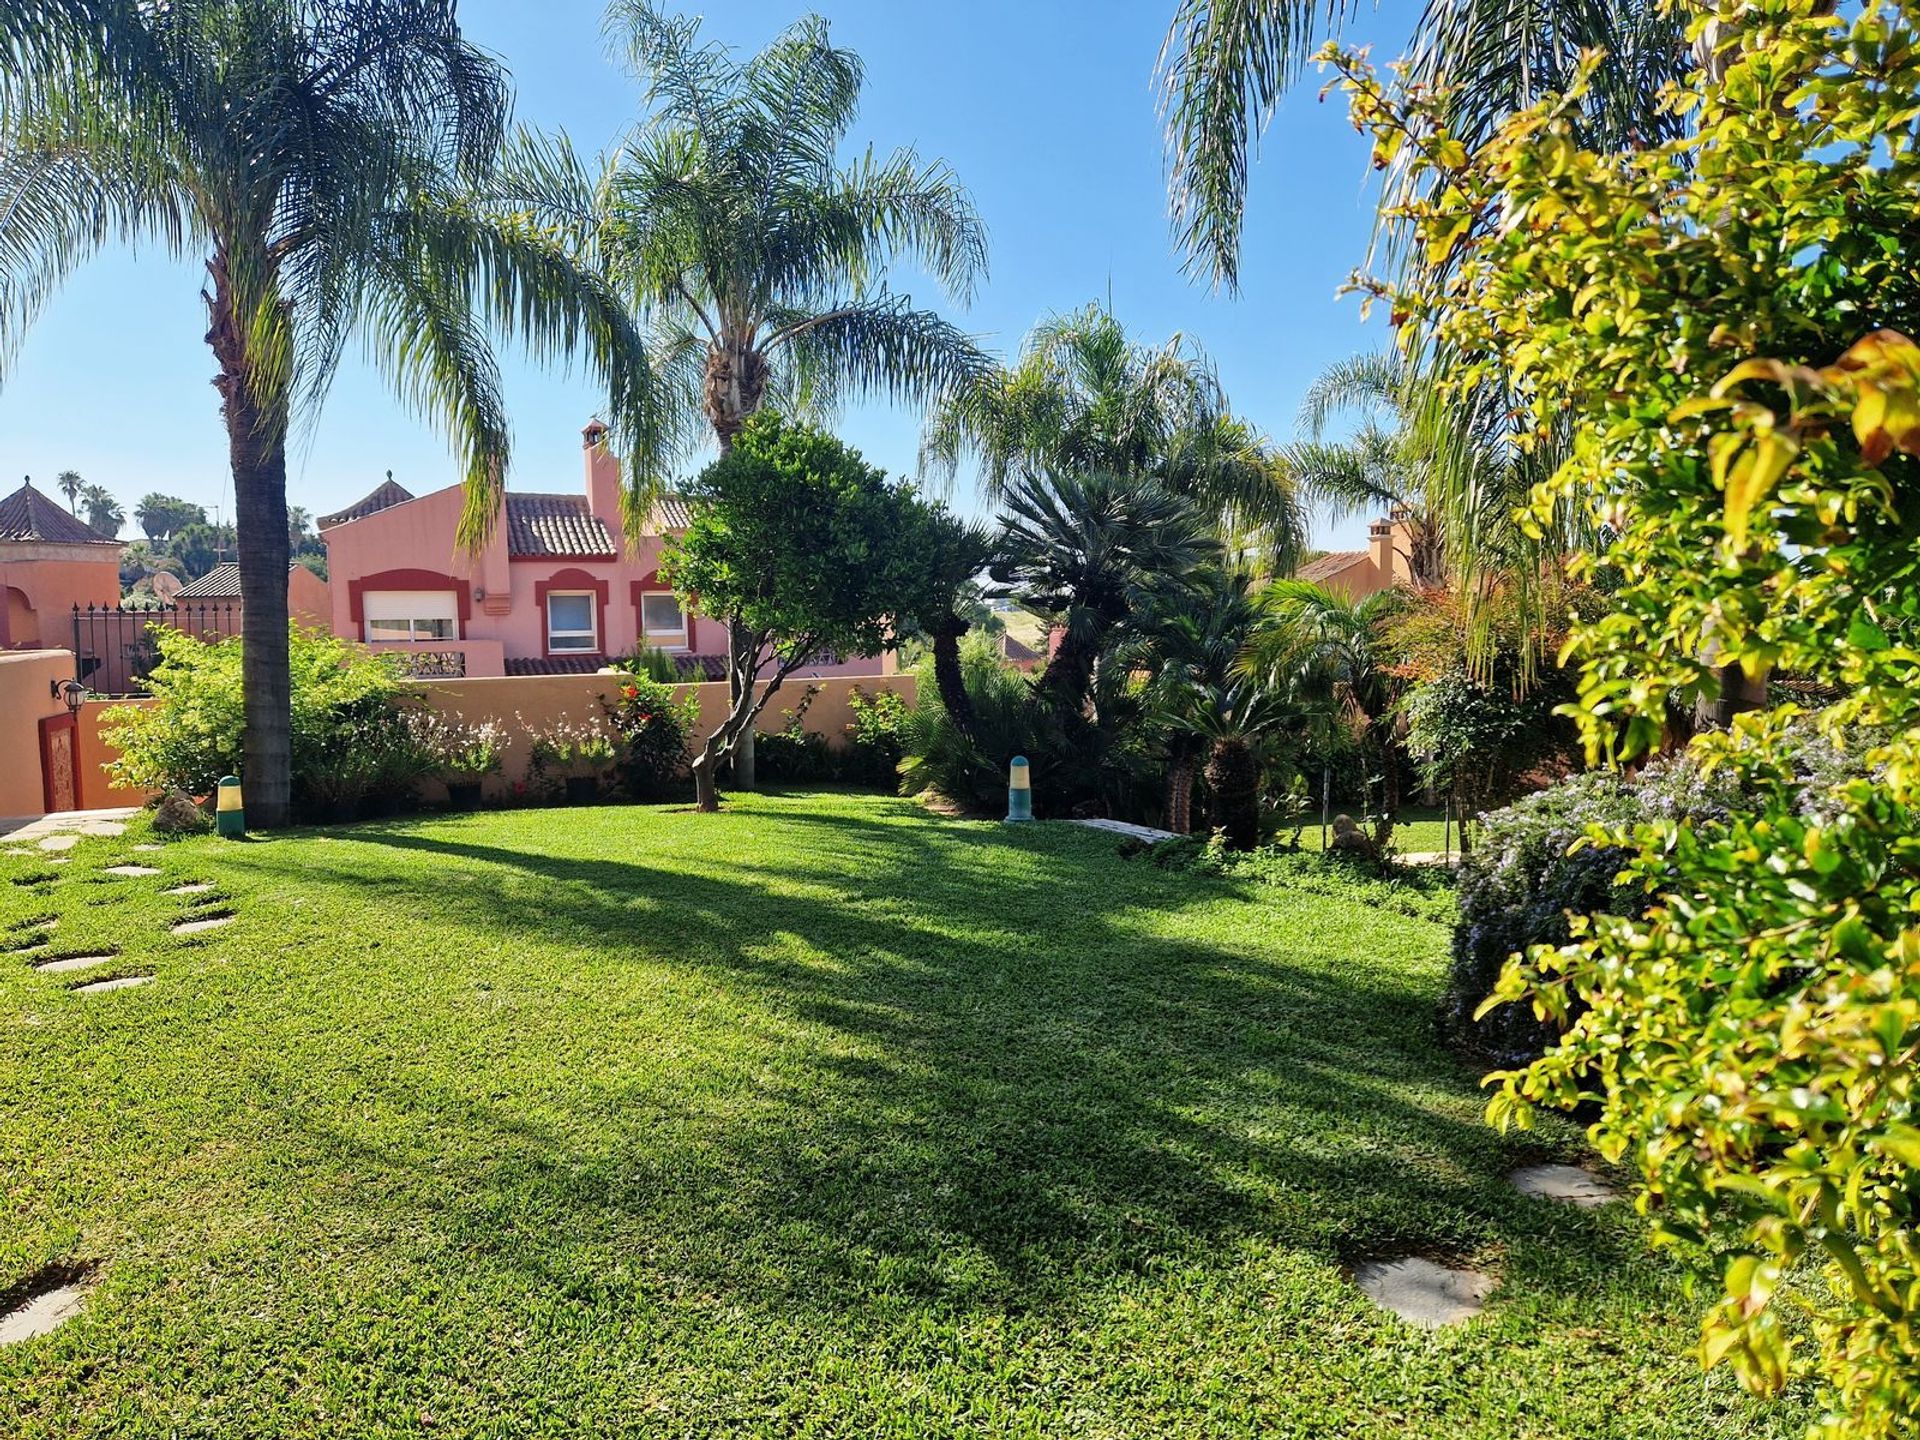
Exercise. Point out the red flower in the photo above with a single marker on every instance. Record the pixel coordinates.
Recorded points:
(632, 692)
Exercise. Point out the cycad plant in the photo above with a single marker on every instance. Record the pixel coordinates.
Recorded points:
(318, 157)
(1084, 396)
(1086, 551)
(953, 554)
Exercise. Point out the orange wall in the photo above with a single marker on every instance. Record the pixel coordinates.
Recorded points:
(517, 703)
(26, 698)
(309, 601)
(50, 588)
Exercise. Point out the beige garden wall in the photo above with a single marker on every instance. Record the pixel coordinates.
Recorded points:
(26, 698)
(518, 703)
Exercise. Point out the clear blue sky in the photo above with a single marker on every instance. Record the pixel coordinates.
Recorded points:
(1046, 111)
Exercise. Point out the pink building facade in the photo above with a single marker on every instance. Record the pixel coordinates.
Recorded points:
(556, 589)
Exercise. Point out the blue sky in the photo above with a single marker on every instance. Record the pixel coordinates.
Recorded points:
(1046, 111)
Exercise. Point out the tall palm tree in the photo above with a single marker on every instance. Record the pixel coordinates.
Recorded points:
(315, 156)
(104, 513)
(1226, 64)
(1085, 396)
(1086, 550)
(71, 483)
(758, 255)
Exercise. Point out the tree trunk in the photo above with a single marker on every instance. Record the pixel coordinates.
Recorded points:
(1389, 796)
(706, 795)
(1065, 682)
(948, 676)
(1181, 761)
(736, 383)
(1233, 799)
(257, 451)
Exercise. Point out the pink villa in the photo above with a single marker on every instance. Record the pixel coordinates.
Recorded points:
(1356, 574)
(50, 561)
(555, 590)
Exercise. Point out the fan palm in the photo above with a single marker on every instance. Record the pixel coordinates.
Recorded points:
(313, 153)
(758, 256)
(1086, 550)
(71, 483)
(1226, 64)
(1085, 396)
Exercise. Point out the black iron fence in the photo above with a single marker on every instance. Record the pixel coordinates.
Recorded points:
(113, 645)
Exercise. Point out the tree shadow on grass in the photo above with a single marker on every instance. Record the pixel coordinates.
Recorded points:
(968, 1072)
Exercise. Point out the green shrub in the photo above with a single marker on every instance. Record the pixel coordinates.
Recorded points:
(654, 731)
(349, 734)
(1533, 865)
(877, 738)
(972, 773)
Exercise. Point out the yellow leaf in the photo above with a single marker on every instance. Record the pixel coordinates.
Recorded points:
(1752, 478)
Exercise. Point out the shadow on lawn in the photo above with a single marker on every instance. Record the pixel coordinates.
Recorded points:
(985, 1078)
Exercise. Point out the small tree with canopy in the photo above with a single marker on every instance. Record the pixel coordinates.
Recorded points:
(804, 549)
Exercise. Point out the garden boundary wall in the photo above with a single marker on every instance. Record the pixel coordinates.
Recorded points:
(27, 680)
(518, 703)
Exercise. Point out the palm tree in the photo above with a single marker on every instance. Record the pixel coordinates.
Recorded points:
(1226, 64)
(104, 513)
(316, 156)
(758, 256)
(70, 483)
(1322, 647)
(1086, 551)
(954, 553)
(1213, 708)
(1085, 396)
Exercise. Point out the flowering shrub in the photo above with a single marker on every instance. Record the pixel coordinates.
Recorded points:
(654, 730)
(462, 752)
(571, 750)
(793, 753)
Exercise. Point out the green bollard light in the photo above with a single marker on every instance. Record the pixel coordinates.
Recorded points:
(1019, 791)
(229, 816)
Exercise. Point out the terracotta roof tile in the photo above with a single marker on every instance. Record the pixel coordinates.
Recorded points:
(558, 527)
(1327, 566)
(27, 515)
(385, 497)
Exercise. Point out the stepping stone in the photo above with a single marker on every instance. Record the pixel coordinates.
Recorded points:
(193, 927)
(64, 841)
(67, 963)
(199, 887)
(31, 946)
(130, 870)
(1423, 1293)
(149, 847)
(43, 1312)
(1568, 1184)
(123, 982)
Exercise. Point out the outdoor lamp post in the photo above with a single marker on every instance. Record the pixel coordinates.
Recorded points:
(1019, 791)
(229, 815)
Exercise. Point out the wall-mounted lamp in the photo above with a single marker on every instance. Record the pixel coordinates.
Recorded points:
(70, 693)
(479, 595)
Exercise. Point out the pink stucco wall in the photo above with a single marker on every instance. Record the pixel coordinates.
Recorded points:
(412, 546)
(40, 584)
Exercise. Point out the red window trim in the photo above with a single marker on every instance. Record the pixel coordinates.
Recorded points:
(408, 580)
(651, 582)
(574, 582)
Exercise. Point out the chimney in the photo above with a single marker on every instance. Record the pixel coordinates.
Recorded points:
(1380, 550)
(603, 476)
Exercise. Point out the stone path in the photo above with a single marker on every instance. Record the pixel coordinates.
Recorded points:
(194, 927)
(21, 829)
(129, 870)
(1132, 832)
(123, 982)
(66, 964)
(1422, 1292)
(1568, 1184)
(198, 887)
(44, 1312)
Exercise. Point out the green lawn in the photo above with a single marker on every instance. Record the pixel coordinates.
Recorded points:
(820, 1117)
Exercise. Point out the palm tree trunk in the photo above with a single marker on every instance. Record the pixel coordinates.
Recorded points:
(948, 676)
(257, 453)
(1233, 785)
(736, 382)
(1181, 763)
(1068, 677)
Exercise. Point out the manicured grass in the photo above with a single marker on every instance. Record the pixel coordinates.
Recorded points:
(1416, 830)
(818, 1117)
